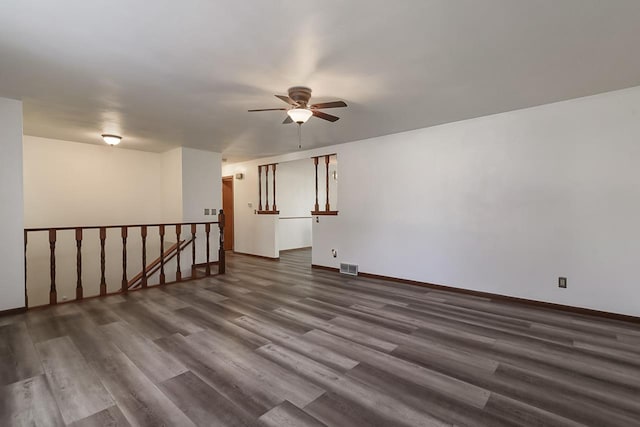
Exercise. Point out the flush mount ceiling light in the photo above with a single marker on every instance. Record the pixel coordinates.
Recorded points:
(299, 115)
(111, 139)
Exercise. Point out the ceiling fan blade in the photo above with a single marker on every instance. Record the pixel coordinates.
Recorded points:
(334, 104)
(325, 116)
(269, 109)
(287, 100)
(287, 121)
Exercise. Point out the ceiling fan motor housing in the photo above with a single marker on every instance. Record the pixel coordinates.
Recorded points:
(300, 94)
(299, 110)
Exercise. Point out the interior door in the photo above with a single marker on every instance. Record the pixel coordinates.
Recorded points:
(227, 206)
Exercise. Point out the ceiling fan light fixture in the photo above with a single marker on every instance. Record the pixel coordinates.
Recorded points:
(111, 139)
(299, 115)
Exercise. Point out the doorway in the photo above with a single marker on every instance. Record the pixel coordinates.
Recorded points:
(227, 207)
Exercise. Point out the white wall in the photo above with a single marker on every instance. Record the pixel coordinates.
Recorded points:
(191, 181)
(295, 197)
(503, 204)
(294, 233)
(201, 183)
(171, 187)
(70, 183)
(202, 188)
(11, 208)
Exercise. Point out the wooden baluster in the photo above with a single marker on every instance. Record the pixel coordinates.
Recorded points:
(178, 271)
(79, 263)
(266, 188)
(193, 251)
(207, 229)
(103, 281)
(326, 162)
(124, 233)
(26, 296)
(259, 188)
(162, 277)
(53, 294)
(143, 235)
(221, 257)
(274, 188)
(317, 206)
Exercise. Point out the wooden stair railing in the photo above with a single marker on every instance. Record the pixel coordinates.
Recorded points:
(150, 269)
(140, 280)
(175, 253)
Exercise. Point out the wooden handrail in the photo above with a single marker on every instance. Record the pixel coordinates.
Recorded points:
(94, 227)
(155, 266)
(140, 279)
(151, 265)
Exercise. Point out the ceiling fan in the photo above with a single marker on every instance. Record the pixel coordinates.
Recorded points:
(299, 110)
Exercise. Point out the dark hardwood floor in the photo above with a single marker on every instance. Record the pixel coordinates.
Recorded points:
(279, 344)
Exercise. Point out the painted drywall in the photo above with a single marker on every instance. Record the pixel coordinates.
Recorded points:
(503, 204)
(326, 238)
(191, 183)
(294, 233)
(171, 185)
(201, 183)
(202, 189)
(69, 183)
(295, 198)
(11, 208)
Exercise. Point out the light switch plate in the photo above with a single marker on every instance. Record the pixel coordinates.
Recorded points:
(562, 282)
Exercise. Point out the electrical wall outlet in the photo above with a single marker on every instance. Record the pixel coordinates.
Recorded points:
(213, 212)
(562, 282)
(206, 211)
(334, 253)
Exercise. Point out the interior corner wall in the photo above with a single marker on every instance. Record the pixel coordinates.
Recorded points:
(11, 208)
(201, 184)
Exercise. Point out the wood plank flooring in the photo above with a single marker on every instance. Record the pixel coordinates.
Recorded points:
(279, 344)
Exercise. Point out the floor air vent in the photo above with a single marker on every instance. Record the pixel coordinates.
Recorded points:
(351, 269)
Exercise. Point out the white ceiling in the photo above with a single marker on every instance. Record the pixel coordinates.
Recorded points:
(166, 73)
